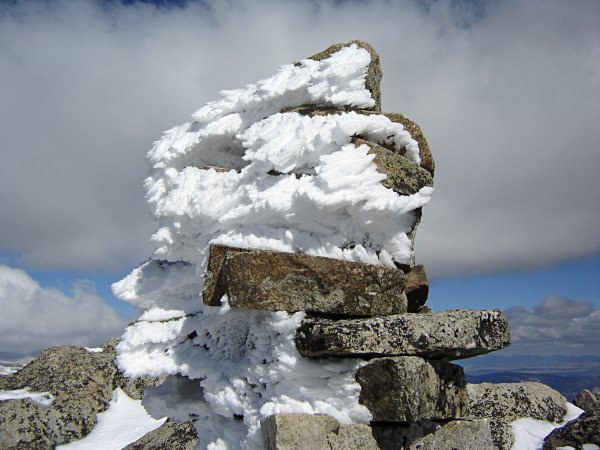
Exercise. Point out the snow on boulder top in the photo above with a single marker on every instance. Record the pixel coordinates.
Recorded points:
(301, 162)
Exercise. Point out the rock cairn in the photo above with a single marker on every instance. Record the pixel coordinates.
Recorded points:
(368, 311)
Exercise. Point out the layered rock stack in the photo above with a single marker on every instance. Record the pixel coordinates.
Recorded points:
(374, 312)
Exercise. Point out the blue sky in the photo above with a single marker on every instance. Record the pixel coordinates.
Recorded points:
(505, 91)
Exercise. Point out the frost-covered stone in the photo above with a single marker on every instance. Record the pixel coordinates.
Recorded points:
(250, 172)
(583, 430)
(409, 389)
(457, 434)
(81, 383)
(451, 335)
(133, 387)
(413, 128)
(504, 402)
(170, 435)
(374, 73)
(293, 282)
(402, 175)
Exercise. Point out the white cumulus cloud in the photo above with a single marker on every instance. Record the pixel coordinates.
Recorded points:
(34, 317)
(556, 325)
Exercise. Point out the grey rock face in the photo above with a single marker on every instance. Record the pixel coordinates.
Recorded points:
(409, 388)
(315, 432)
(511, 401)
(451, 334)
(292, 282)
(504, 402)
(357, 436)
(170, 435)
(583, 430)
(417, 288)
(586, 400)
(297, 431)
(80, 381)
(458, 434)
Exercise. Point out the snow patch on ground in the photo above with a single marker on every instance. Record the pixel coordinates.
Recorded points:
(124, 422)
(530, 433)
(42, 398)
(94, 349)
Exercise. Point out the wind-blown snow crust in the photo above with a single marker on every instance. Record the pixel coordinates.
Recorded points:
(245, 174)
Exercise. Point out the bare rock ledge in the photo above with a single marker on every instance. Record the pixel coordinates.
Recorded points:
(450, 335)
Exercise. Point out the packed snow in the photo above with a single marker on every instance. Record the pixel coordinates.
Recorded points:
(94, 349)
(245, 174)
(42, 398)
(124, 422)
(530, 433)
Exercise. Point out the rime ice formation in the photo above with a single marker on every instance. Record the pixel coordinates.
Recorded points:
(245, 174)
(292, 196)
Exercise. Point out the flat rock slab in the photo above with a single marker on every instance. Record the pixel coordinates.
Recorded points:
(409, 389)
(450, 335)
(277, 281)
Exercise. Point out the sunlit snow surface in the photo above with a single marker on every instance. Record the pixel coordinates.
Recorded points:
(530, 433)
(124, 422)
(292, 183)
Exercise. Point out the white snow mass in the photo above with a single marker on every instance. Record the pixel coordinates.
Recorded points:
(42, 398)
(245, 174)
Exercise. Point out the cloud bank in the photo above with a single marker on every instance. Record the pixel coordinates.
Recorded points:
(34, 317)
(556, 325)
(506, 92)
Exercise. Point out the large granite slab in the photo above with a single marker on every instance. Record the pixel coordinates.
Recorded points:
(450, 335)
(277, 281)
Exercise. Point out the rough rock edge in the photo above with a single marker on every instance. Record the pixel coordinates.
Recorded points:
(170, 435)
(450, 335)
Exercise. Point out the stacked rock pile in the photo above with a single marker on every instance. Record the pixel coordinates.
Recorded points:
(367, 311)
(293, 194)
